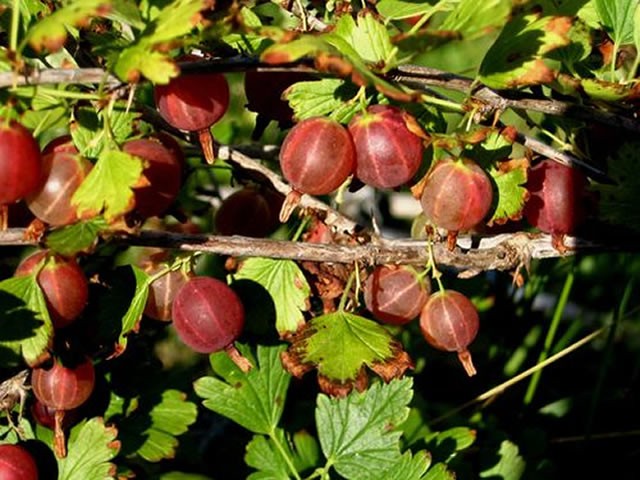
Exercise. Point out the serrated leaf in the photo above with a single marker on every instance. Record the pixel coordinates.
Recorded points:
(25, 325)
(618, 204)
(339, 344)
(517, 57)
(145, 56)
(333, 54)
(440, 472)
(154, 425)
(409, 467)
(254, 400)
(287, 286)
(510, 464)
(327, 97)
(108, 186)
(444, 445)
(358, 433)
(90, 448)
(368, 37)
(136, 308)
(87, 129)
(510, 178)
(76, 238)
(272, 456)
(609, 91)
(50, 32)
(617, 17)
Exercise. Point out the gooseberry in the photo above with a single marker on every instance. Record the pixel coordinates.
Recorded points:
(556, 202)
(194, 102)
(457, 195)
(208, 316)
(388, 153)
(16, 463)
(163, 171)
(20, 165)
(395, 294)
(162, 293)
(64, 170)
(250, 212)
(63, 283)
(449, 322)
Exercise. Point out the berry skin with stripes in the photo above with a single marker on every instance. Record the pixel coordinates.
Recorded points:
(207, 315)
(457, 195)
(449, 322)
(20, 162)
(388, 153)
(317, 156)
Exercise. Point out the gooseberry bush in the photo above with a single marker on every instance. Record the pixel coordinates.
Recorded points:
(248, 239)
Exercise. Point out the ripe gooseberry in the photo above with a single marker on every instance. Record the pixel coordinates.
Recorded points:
(64, 170)
(250, 212)
(63, 283)
(20, 165)
(208, 317)
(457, 195)
(316, 157)
(16, 463)
(194, 102)
(63, 388)
(557, 198)
(388, 153)
(449, 322)
(395, 294)
(163, 171)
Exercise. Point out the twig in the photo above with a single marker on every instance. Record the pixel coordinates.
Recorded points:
(418, 77)
(504, 252)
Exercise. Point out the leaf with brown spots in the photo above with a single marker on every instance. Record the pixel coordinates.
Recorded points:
(517, 57)
(50, 33)
(339, 346)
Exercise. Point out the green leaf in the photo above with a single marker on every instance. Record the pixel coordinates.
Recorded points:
(510, 465)
(618, 204)
(254, 400)
(409, 467)
(88, 130)
(397, 9)
(368, 37)
(440, 472)
(76, 238)
(470, 17)
(358, 433)
(136, 308)
(287, 286)
(25, 324)
(145, 56)
(153, 426)
(108, 186)
(617, 17)
(274, 456)
(341, 343)
(90, 448)
(444, 445)
(636, 28)
(517, 56)
(510, 178)
(335, 55)
(50, 32)
(328, 97)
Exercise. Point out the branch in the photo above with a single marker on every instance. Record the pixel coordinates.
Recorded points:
(418, 77)
(472, 256)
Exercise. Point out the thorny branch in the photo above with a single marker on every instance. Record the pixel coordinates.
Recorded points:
(472, 256)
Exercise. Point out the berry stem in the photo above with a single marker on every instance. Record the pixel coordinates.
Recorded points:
(4, 217)
(59, 440)
(467, 362)
(431, 266)
(15, 24)
(236, 357)
(206, 141)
